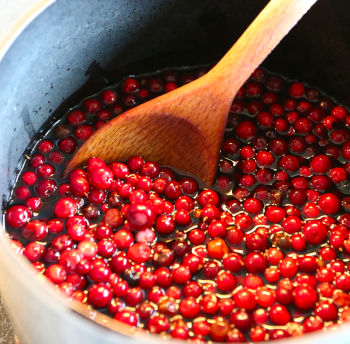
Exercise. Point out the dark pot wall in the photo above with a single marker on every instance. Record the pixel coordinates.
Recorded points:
(50, 59)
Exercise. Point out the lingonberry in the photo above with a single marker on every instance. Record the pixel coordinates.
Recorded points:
(288, 267)
(245, 299)
(37, 160)
(67, 144)
(252, 205)
(326, 311)
(234, 236)
(109, 97)
(17, 216)
(329, 203)
(188, 185)
(76, 117)
(92, 105)
(158, 324)
(241, 320)
(275, 214)
(272, 274)
(217, 248)
(225, 281)
(342, 282)
(116, 305)
(29, 178)
(189, 308)
(139, 252)
(255, 262)
(193, 262)
(181, 274)
(305, 297)
(279, 314)
(65, 207)
(45, 188)
(312, 323)
(243, 221)
(163, 276)
(252, 282)
(315, 232)
(34, 251)
(35, 230)
(289, 163)
(165, 224)
(256, 241)
(265, 297)
(100, 295)
(127, 317)
(226, 306)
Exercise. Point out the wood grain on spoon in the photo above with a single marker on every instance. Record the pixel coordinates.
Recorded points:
(184, 128)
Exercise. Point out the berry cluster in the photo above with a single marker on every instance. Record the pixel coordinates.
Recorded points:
(263, 255)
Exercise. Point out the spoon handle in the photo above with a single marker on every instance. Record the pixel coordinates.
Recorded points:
(259, 39)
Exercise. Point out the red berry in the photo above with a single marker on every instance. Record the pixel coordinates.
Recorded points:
(76, 117)
(35, 230)
(252, 205)
(29, 178)
(181, 274)
(130, 85)
(65, 207)
(312, 323)
(158, 324)
(100, 295)
(246, 130)
(329, 203)
(17, 216)
(101, 178)
(189, 307)
(279, 314)
(67, 145)
(92, 105)
(109, 97)
(127, 317)
(140, 216)
(320, 163)
(288, 267)
(165, 224)
(289, 163)
(327, 311)
(275, 214)
(83, 132)
(244, 299)
(255, 262)
(139, 253)
(315, 232)
(305, 297)
(225, 281)
(217, 248)
(56, 273)
(45, 188)
(123, 239)
(297, 90)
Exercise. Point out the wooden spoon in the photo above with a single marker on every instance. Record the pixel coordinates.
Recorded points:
(184, 128)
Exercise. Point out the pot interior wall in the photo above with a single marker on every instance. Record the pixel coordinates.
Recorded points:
(76, 43)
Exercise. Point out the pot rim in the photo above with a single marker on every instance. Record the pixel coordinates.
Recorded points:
(22, 13)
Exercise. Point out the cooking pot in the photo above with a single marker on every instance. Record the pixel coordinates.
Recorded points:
(53, 54)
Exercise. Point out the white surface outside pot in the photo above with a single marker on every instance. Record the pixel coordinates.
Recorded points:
(14, 16)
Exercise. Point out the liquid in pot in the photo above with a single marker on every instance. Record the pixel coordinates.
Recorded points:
(262, 255)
